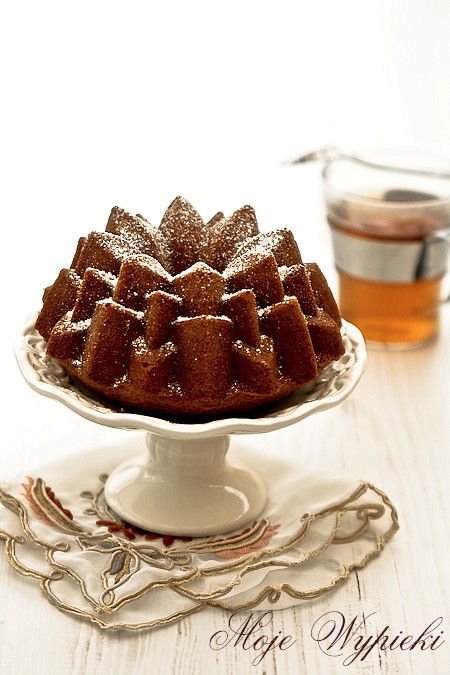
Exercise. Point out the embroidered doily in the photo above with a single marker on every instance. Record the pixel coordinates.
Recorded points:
(58, 530)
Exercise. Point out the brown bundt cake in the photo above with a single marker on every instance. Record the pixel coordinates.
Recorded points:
(191, 317)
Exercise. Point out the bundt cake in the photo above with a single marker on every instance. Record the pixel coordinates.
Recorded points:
(190, 318)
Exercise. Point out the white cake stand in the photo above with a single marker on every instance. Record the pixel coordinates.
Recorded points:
(187, 485)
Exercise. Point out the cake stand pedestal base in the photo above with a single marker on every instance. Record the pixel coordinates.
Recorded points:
(186, 488)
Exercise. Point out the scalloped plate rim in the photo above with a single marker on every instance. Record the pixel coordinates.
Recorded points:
(229, 425)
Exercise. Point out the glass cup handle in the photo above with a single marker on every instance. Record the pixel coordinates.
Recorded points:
(442, 235)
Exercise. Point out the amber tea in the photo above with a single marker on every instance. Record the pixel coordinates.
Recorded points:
(391, 313)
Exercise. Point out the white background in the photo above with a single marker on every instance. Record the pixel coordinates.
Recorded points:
(132, 103)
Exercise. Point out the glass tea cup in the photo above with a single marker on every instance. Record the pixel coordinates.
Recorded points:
(390, 230)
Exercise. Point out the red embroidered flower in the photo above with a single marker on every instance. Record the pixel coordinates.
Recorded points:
(132, 531)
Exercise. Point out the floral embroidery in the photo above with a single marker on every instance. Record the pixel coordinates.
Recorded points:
(47, 506)
(131, 532)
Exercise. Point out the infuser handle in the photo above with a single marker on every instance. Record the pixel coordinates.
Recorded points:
(332, 153)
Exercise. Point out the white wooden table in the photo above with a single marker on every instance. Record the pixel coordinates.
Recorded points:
(394, 431)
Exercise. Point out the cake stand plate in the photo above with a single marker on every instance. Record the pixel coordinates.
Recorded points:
(187, 485)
